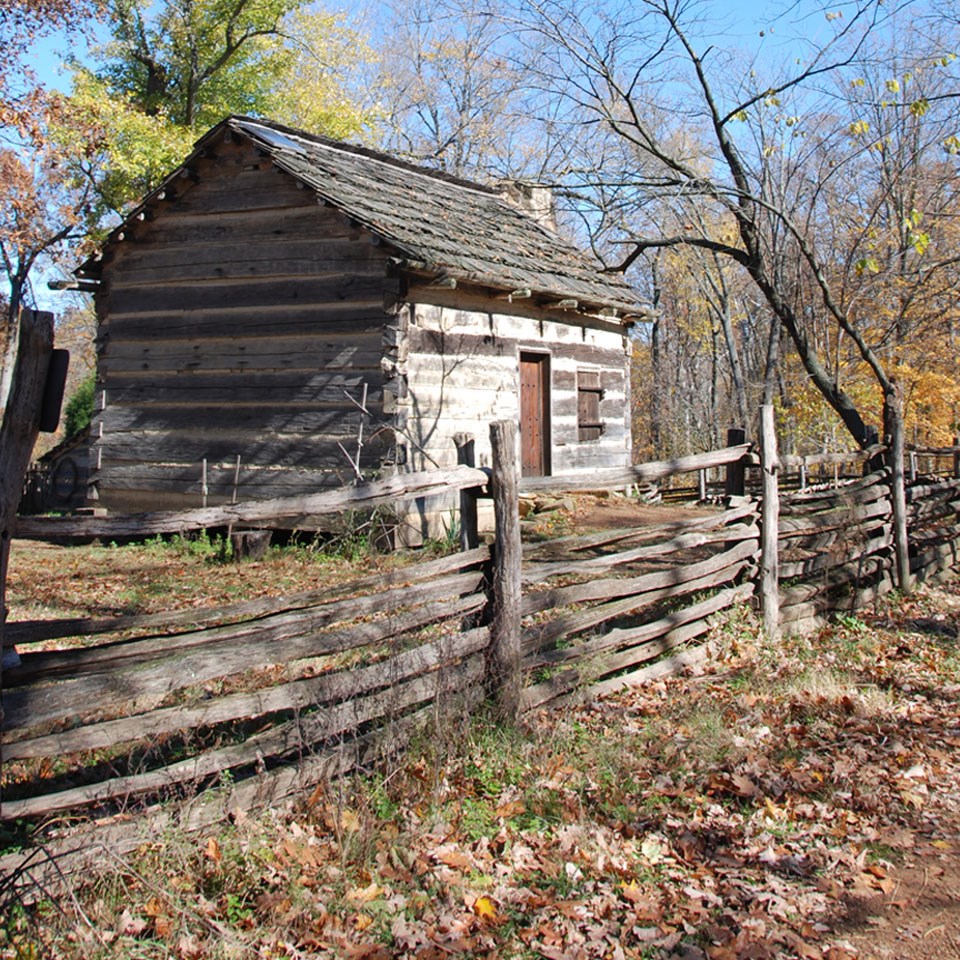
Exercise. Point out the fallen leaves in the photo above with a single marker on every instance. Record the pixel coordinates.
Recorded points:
(724, 818)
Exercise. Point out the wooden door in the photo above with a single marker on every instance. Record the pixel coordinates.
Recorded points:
(534, 415)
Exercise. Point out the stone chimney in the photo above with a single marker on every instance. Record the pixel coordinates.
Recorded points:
(534, 199)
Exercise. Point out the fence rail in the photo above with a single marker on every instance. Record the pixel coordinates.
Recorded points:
(279, 693)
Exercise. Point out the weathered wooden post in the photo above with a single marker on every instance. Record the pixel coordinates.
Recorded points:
(893, 417)
(466, 455)
(913, 466)
(736, 473)
(769, 525)
(956, 458)
(504, 662)
(702, 481)
(18, 433)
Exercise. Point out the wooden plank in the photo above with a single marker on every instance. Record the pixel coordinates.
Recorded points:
(360, 314)
(538, 635)
(38, 872)
(178, 226)
(940, 557)
(471, 341)
(296, 695)
(669, 666)
(933, 451)
(286, 418)
(832, 559)
(614, 587)
(838, 499)
(265, 451)
(241, 259)
(812, 537)
(809, 494)
(257, 483)
(832, 519)
(266, 264)
(645, 472)
(296, 735)
(806, 612)
(326, 351)
(840, 578)
(577, 542)
(826, 539)
(364, 496)
(535, 573)
(80, 661)
(249, 295)
(824, 459)
(248, 386)
(570, 680)
(284, 642)
(142, 654)
(933, 509)
(638, 636)
(248, 190)
(25, 631)
(664, 640)
(937, 534)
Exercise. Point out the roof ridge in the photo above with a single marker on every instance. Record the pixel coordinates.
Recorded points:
(369, 153)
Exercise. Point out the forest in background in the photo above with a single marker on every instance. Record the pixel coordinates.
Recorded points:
(782, 189)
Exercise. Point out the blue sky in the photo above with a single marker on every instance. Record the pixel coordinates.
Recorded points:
(739, 22)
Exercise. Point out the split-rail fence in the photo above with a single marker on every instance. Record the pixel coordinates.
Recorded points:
(249, 705)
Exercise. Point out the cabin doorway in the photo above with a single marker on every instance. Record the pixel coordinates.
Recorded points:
(534, 415)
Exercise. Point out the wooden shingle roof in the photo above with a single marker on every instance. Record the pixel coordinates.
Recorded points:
(437, 223)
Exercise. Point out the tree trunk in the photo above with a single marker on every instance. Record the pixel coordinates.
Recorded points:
(893, 420)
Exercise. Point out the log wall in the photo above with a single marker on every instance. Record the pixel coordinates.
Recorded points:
(463, 370)
(234, 324)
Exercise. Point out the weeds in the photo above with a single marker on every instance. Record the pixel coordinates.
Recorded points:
(201, 545)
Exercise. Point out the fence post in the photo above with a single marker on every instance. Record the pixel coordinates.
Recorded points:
(18, 433)
(769, 525)
(956, 459)
(893, 416)
(466, 455)
(735, 485)
(504, 663)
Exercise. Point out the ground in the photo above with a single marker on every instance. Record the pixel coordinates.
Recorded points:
(920, 916)
(798, 800)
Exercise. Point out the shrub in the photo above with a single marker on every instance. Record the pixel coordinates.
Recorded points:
(79, 409)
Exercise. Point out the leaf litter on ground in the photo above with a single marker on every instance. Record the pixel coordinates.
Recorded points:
(749, 811)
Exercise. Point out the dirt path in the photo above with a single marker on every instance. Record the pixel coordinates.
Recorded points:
(916, 914)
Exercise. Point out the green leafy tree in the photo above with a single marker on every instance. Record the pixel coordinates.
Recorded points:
(194, 61)
(174, 68)
(78, 412)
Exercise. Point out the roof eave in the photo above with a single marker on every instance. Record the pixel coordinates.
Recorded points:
(91, 267)
(613, 312)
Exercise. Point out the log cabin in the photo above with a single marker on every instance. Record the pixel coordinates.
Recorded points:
(286, 312)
